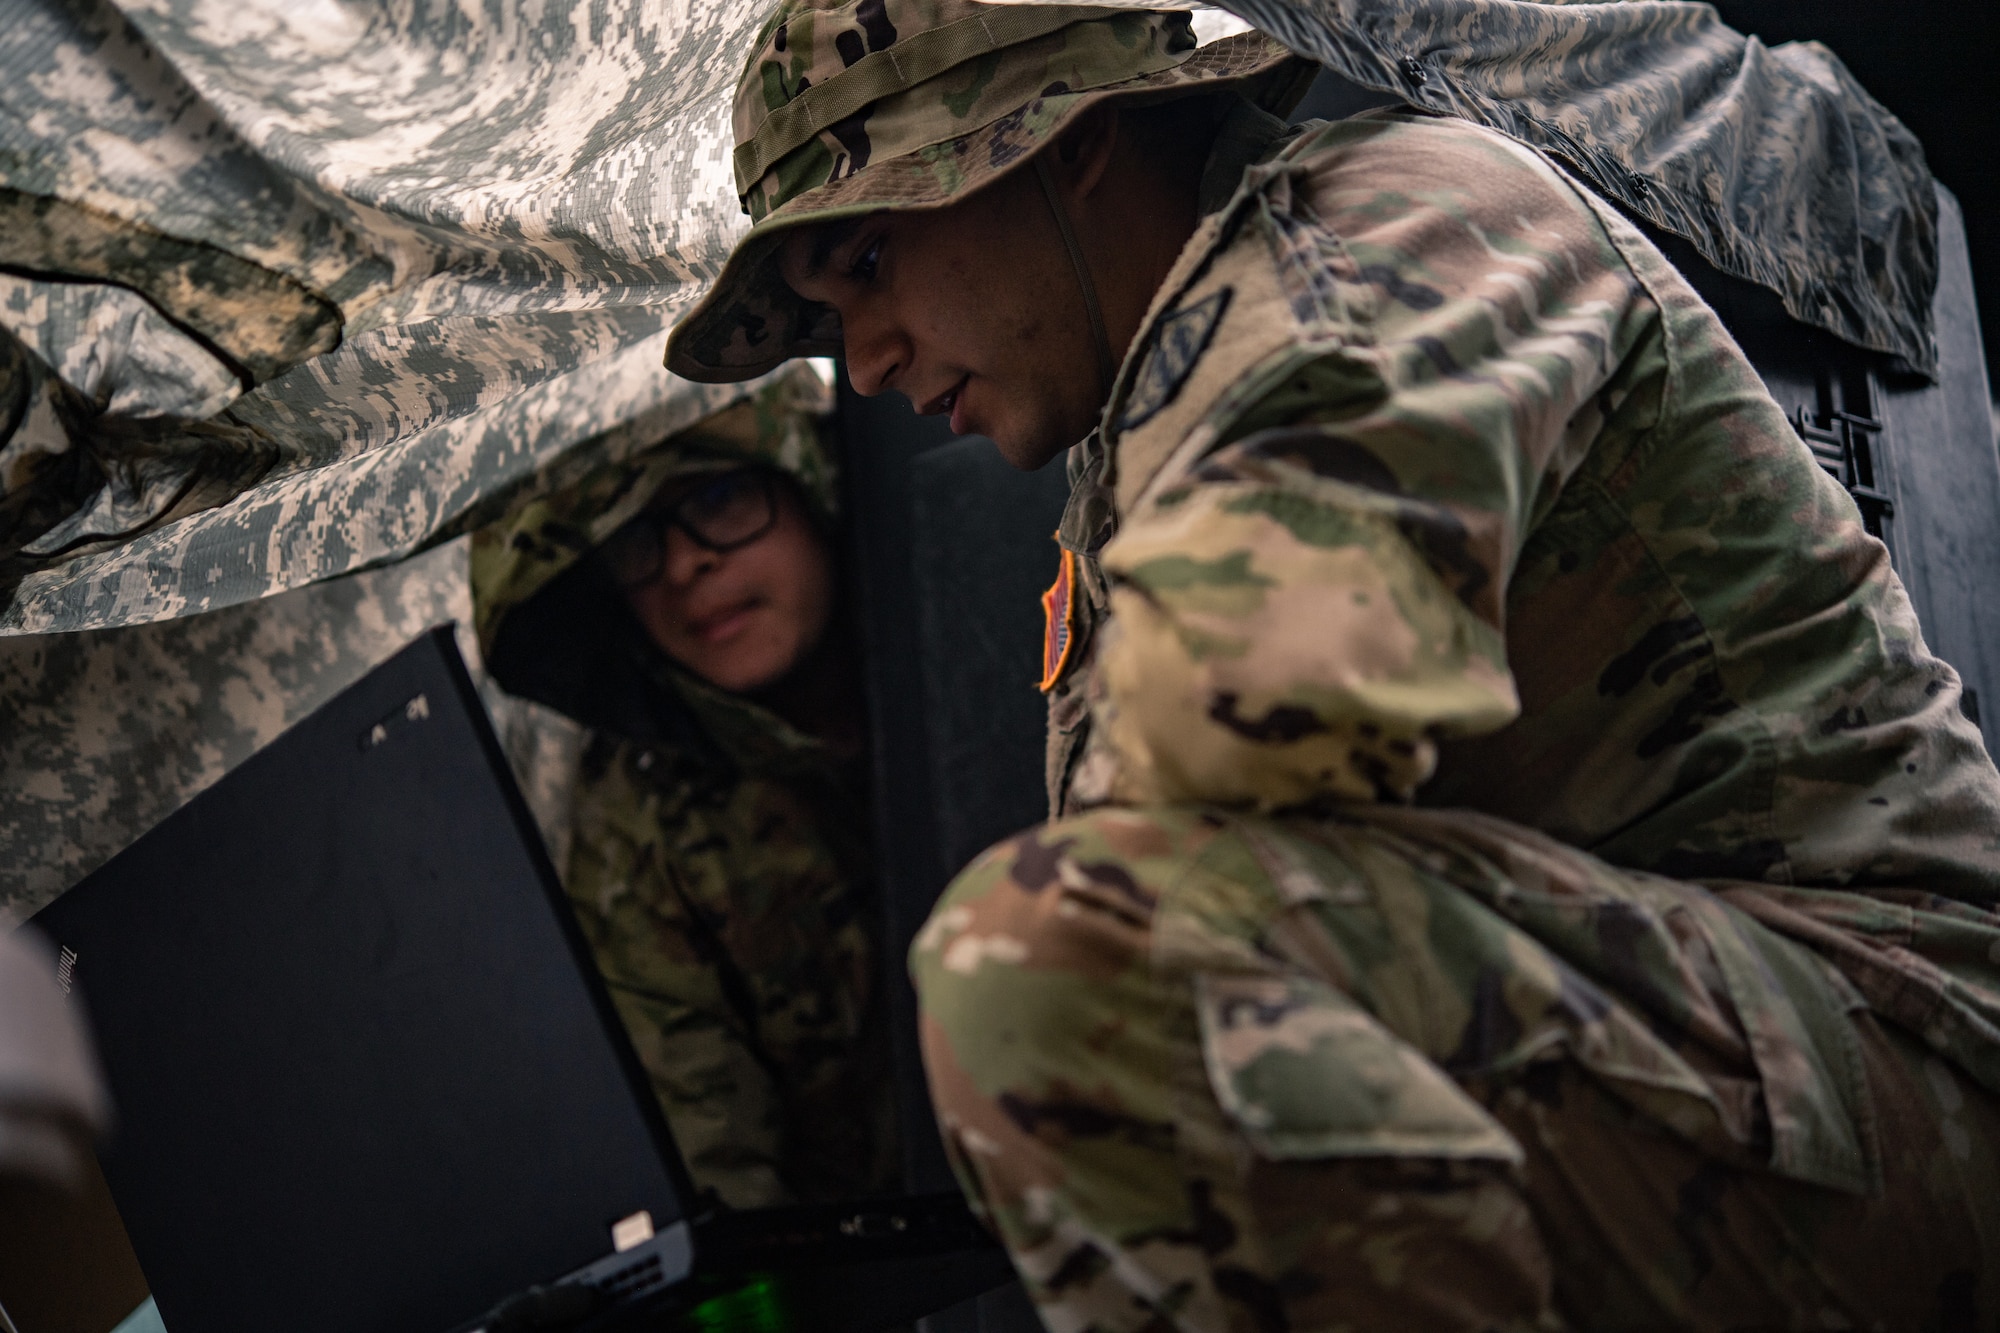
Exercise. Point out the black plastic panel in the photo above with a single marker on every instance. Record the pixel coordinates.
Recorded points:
(289, 980)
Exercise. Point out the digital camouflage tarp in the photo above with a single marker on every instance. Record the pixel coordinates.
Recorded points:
(391, 260)
(294, 289)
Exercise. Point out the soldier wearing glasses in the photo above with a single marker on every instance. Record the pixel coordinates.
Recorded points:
(684, 606)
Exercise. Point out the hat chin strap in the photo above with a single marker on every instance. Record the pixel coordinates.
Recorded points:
(1105, 367)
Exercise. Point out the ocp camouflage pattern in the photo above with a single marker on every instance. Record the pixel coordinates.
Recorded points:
(805, 46)
(1401, 1068)
(723, 878)
(916, 137)
(1476, 496)
(845, 106)
(1516, 863)
(731, 915)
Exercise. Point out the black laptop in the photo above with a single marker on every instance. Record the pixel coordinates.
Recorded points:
(367, 1077)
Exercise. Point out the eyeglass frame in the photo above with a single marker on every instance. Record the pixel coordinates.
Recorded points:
(657, 518)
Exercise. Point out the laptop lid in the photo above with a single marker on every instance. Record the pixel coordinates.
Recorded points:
(365, 1073)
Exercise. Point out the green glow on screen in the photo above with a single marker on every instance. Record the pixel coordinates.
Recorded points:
(755, 1307)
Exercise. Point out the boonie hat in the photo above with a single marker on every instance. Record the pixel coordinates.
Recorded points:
(846, 109)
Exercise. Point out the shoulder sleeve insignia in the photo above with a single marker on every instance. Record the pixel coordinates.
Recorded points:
(1177, 345)
(1058, 622)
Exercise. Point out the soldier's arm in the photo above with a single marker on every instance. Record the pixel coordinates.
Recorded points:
(1303, 611)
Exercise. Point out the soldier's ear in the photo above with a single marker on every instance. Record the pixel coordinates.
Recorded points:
(1085, 148)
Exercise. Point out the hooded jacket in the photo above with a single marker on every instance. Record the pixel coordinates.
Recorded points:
(716, 856)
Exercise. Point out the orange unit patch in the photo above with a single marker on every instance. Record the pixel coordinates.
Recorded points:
(1058, 622)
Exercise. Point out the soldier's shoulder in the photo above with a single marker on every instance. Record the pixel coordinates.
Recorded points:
(1360, 164)
(1362, 236)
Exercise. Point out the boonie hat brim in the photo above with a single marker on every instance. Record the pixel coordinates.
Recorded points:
(751, 321)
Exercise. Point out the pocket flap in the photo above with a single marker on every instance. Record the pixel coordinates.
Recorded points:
(1304, 1072)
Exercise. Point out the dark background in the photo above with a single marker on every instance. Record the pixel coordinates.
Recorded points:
(1933, 65)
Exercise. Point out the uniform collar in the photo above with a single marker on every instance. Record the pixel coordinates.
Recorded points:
(1248, 135)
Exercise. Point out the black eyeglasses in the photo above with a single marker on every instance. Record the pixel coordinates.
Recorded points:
(721, 513)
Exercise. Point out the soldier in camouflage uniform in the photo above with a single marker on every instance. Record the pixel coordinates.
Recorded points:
(1514, 862)
(717, 854)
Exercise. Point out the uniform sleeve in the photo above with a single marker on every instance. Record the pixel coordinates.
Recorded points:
(1302, 613)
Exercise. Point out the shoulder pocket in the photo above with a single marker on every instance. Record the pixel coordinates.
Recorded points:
(1304, 1072)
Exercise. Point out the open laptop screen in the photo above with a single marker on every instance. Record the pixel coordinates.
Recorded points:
(365, 1074)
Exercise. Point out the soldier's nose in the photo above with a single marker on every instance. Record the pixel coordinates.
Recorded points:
(871, 377)
(876, 357)
(687, 559)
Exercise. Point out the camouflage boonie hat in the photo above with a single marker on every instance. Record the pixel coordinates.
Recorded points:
(850, 107)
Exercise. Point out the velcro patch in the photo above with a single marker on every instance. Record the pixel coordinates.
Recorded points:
(1183, 336)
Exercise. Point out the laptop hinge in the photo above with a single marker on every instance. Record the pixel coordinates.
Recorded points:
(624, 1278)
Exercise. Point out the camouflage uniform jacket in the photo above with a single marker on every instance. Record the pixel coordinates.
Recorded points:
(1428, 479)
(726, 894)
(718, 859)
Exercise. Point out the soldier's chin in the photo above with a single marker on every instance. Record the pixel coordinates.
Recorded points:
(1026, 448)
